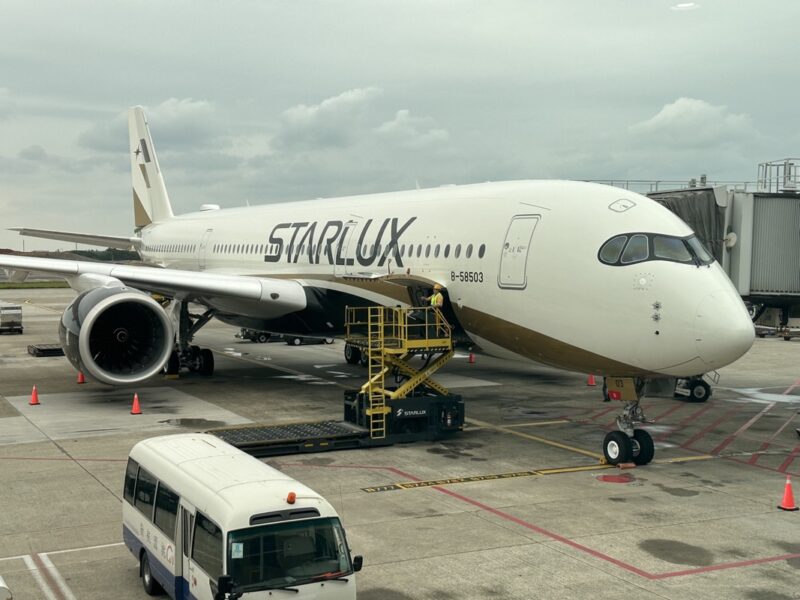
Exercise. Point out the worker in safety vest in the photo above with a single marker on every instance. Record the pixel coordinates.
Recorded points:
(436, 298)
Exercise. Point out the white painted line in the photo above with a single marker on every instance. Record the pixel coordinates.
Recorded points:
(19, 557)
(34, 570)
(85, 548)
(51, 568)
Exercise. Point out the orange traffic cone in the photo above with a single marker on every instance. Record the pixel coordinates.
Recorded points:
(788, 497)
(471, 358)
(591, 380)
(136, 409)
(81, 378)
(34, 397)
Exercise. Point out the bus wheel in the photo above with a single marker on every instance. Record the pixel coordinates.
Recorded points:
(151, 586)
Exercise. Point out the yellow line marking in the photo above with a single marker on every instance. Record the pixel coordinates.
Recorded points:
(572, 469)
(531, 424)
(682, 459)
(536, 438)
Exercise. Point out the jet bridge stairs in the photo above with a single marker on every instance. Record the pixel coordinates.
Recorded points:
(399, 402)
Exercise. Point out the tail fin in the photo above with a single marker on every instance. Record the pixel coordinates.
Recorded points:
(150, 199)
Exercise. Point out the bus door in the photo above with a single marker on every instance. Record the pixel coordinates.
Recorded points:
(184, 551)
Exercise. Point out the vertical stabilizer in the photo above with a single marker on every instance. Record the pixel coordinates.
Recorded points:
(150, 199)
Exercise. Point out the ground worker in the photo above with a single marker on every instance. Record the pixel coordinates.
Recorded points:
(436, 298)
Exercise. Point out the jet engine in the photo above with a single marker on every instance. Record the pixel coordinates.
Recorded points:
(117, 335)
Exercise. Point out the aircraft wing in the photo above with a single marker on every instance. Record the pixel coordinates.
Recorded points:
(276, 297)
(105, 241)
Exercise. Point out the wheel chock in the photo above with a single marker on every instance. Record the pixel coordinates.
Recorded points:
(627, 465)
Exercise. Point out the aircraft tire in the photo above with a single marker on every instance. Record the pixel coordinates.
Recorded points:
(206, 362)
(329, 340)
(295, 341)
(150, 585)
(617, 448)
(645, 449)
(352, 355)
(173, 364)
(262, 338)
(699, 391)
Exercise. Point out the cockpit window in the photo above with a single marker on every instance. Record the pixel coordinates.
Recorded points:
(670, 248)
(632, 248)
(699, 250)
(611, 250)
(636, 250)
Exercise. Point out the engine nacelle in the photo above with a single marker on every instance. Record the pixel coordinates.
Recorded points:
(116, 335)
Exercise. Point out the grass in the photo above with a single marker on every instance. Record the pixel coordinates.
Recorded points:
(32, 285)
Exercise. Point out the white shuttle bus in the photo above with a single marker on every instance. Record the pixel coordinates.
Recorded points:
(208, 522)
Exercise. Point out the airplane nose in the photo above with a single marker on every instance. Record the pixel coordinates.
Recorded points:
(724, 331)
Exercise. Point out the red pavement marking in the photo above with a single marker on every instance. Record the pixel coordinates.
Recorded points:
(55, 589)
(602, 412)
(789, 459)
(702, 433)
(566, 541)
(742, 429)
(678, 406)
(686, 421)
(765, 445)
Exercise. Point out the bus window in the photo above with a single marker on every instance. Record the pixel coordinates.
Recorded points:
(188, 522)
(207, 546)
(130, 480)
(166, 510)
(145, 493)
(294, 552)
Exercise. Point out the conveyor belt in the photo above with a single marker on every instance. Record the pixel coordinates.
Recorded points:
(271, 440)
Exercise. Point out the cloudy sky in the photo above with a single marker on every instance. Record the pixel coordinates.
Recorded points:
(260, 101)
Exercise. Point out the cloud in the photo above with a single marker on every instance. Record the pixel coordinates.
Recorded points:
(412, 132)
(334, 122)
(175, 124)
(689, 122)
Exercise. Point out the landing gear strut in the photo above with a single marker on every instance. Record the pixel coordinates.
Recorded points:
(185, 355)
(629, 444)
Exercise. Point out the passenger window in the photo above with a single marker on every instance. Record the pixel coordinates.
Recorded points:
(611, 250)
(436, 251)
(130, 480)
(458, 251)
(469, 251)
(671, 248)
(481, 250)
(419, 250)
(447, 251)
(145, 493)
(166, 510)
(636, 250)
(427, 251)
(207, 546)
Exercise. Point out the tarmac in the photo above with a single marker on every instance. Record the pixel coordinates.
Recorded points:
(517, 506)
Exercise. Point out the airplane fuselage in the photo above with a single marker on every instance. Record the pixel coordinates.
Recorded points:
(520, 262)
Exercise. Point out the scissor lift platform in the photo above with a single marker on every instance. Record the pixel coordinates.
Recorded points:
(418, 408)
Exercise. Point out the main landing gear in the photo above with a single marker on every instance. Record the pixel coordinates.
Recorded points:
(629, 444)
(185, 355)
(695, 389)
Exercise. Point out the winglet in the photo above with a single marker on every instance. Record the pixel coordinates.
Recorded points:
(150, 198)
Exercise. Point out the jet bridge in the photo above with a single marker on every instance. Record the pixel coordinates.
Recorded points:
(399, 402)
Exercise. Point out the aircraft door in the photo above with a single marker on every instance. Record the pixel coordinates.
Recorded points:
(514, 259)
(201, 250)
(345, 252)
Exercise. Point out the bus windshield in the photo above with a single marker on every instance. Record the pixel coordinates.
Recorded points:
(287, 553)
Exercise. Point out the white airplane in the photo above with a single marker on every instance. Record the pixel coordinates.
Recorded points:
(580, 276)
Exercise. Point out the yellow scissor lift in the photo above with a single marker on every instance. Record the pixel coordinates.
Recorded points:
(392, 341)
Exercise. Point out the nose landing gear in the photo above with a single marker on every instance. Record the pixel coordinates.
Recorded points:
(629, 444)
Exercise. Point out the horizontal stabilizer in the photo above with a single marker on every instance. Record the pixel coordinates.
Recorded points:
(104, 241)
